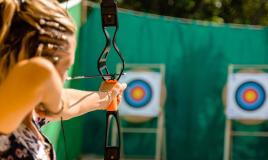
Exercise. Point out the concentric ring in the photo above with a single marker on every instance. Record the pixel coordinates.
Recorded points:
(138, 93)
(250, 96)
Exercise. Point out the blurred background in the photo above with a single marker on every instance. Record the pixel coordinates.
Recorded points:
(196, 41)
(252, 12)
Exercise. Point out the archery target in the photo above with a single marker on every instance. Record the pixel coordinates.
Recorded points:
(142, 95)
(250, 96)
(246, 96)
(138, 93)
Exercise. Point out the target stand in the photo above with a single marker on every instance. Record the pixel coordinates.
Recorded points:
(245, 98)
(143, 101)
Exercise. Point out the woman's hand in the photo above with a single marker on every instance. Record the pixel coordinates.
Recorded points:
(112, 91)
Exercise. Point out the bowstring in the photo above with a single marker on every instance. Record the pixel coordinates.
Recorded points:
(61, 119)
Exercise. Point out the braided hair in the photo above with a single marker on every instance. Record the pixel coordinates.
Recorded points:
(30, 28)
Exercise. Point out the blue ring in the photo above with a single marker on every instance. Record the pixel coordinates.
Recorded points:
(147, 97)
(241, 90)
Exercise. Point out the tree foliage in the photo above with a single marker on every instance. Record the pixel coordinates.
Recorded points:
(221, 11)
(254, 12)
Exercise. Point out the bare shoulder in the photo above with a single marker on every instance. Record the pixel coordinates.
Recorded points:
(33, 72)
(36, 64)
(22, 90)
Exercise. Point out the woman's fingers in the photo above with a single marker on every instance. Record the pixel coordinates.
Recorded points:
(119, 88)
(119, 98)
(124, 86)
(114, 90)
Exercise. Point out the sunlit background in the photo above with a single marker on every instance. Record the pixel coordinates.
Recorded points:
(191, 44)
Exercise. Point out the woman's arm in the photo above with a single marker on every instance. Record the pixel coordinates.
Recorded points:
(27, 84)
(79, 102)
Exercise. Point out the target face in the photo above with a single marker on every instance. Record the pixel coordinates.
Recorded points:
(138, 93)
(250, 96)
(142, 95)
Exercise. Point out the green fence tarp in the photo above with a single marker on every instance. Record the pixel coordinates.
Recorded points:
(196, 58)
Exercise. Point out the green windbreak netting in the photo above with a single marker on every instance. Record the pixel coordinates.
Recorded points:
(196, 56)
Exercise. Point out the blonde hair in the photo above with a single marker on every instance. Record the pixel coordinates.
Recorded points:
(27, 27)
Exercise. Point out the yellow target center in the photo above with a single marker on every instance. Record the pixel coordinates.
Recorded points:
(138, 94)
(250, 96)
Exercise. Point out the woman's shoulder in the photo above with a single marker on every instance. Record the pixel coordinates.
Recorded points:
(35, 65)
(26, 83)
(36, 69)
